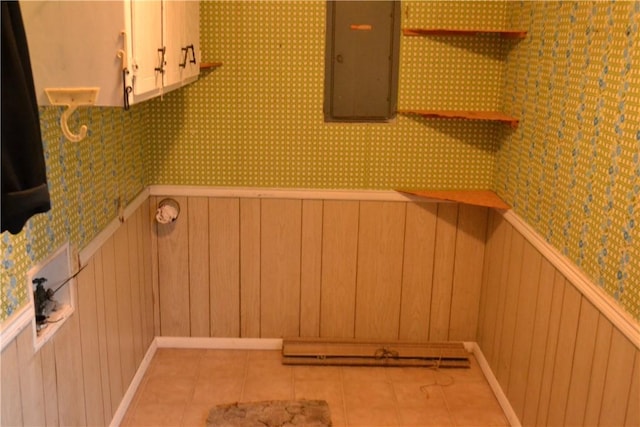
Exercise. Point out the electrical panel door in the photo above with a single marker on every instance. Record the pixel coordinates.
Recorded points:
(361, 60)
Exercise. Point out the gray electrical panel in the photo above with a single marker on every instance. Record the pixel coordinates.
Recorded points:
(361, 64)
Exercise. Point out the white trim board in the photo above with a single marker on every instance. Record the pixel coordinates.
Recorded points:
(285, 193)
(610, 308)
(12, 327)
(220, 343)
(133, 386)
(494, 384)
(96, 243)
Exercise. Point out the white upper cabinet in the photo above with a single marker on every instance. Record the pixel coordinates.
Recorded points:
(192, 38)
(182, 58)
(133, 47)
(147, 45)
(174, 36)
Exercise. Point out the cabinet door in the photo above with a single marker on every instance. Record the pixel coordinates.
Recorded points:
(181, 37)
(146, 40)
(173, 35)
(192, 38)
(79, 55)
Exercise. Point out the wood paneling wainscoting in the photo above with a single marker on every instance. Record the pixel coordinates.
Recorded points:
(379, 268)
(275, 267)
(558, 359)
(80, 376)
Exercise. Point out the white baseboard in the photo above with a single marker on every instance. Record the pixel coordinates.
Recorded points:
(133, 386)
(220, 343)
(494, 384)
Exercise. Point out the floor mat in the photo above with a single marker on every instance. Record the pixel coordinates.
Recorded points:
(271, 413)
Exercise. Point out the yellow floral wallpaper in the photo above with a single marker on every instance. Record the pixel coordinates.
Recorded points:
(571, 168)
(86, 179)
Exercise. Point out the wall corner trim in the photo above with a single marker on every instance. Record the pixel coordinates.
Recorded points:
(623, 321)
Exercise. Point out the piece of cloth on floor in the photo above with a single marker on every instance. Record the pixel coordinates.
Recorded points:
(271, 413)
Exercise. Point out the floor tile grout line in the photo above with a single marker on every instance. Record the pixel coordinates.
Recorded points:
(446, 404)
(246, 373)
(437, 383)
(196, 378)
(294, 382)
(396, 403)
(345, 413)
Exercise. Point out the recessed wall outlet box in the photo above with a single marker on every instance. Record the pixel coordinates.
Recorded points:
(51, 291)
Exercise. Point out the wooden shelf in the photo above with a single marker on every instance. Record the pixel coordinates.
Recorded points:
(485, 198)
(204, 66)
(469, 115)
(507, 34)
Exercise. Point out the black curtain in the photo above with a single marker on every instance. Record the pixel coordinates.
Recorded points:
(24, 181)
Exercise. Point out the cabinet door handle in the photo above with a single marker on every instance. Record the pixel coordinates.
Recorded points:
(193, 53)
(126, 89)
(162, 50)
(185, 50)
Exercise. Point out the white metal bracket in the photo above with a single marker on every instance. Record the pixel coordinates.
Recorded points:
(72, 98)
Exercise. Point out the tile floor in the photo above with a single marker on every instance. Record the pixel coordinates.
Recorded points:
(181, 385)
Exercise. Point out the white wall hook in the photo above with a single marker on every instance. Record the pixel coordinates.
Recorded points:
(72, 98)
